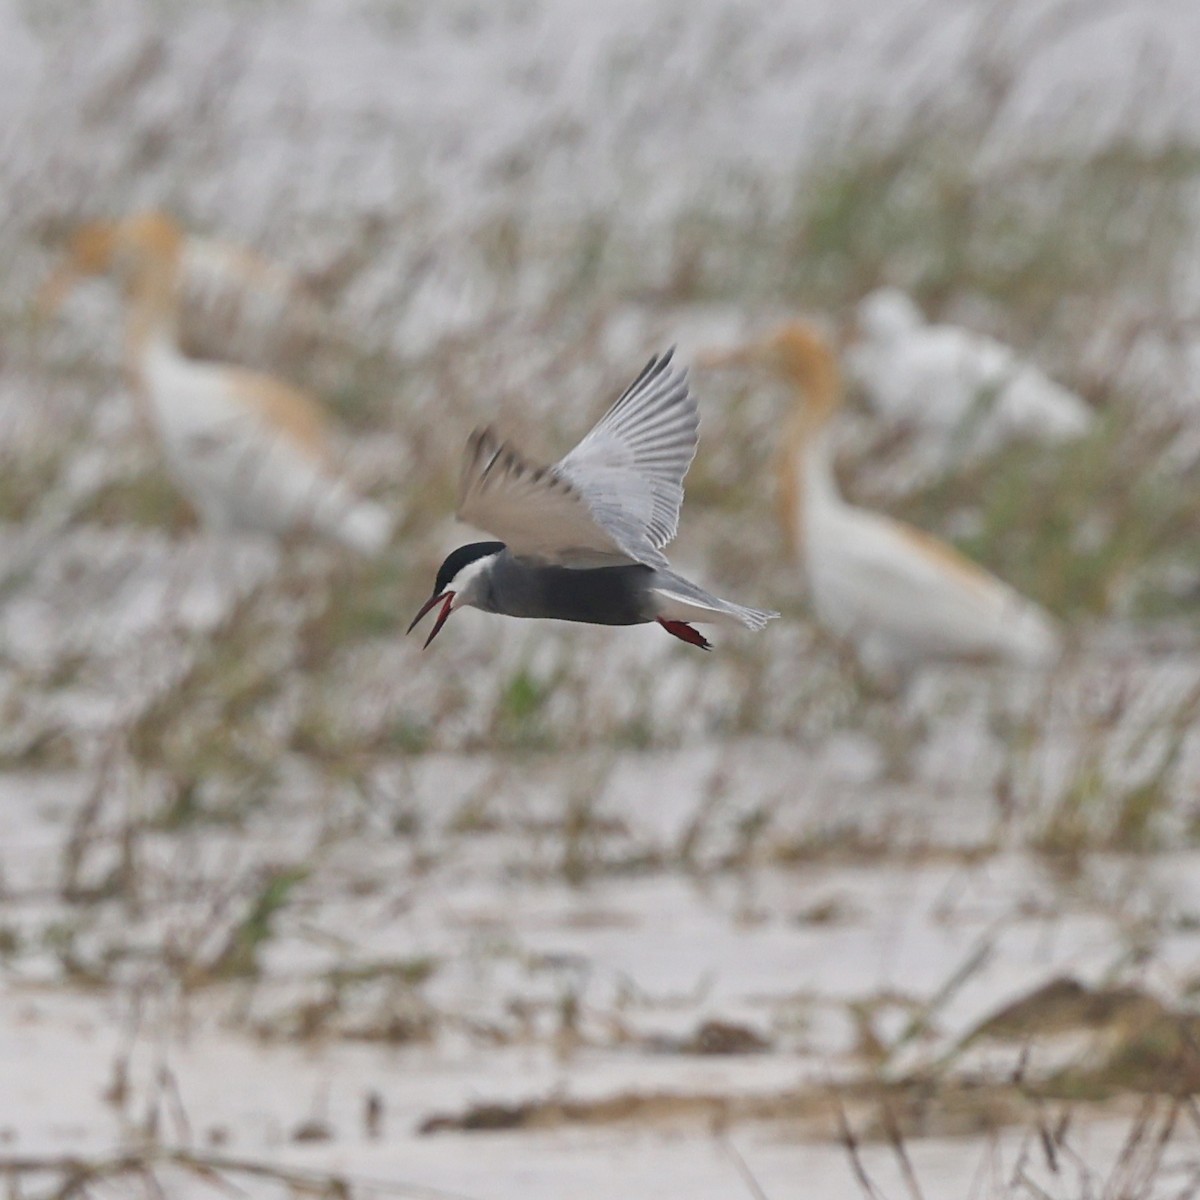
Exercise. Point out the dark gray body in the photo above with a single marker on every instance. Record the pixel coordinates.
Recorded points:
(596, 596)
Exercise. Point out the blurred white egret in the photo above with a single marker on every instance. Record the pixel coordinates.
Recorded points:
(969, 391)
(249, 451)
(897, 594)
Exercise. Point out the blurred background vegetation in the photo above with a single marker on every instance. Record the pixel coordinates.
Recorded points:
(496, 212)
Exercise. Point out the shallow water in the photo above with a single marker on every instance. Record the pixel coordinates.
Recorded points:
(539, 991)
(260, 860)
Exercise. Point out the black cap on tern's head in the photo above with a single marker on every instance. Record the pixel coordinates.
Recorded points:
(443, 589)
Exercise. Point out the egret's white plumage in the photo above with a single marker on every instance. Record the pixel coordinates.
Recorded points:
(249, 451)
(896, 593)
(970, 393)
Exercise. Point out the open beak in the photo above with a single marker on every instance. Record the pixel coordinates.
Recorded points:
(441, 618)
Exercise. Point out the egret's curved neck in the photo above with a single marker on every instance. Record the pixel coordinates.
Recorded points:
(806, 473)
(152, 327)
(815, 451)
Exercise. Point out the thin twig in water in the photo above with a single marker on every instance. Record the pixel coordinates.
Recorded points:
(81, 1172)
(979, 956)
(892, 1128)
(1035, 1189)
(743, 1169)
(1047, 1139)
(169, 1087)
(850, 1143)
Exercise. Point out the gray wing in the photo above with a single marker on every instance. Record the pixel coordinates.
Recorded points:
(630, 468)
(614, 498)
(536, 512)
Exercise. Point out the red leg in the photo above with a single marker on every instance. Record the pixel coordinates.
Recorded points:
(685, 633)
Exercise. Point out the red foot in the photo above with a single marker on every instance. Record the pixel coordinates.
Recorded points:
(685, 633)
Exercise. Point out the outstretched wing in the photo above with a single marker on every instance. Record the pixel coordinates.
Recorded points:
(630, 468)
(536, 512)
(615, 498)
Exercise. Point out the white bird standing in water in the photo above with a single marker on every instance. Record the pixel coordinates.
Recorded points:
(250, 452)
(897, 594)
(970, 390)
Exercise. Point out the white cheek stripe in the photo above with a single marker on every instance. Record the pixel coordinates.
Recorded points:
(462, 585)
